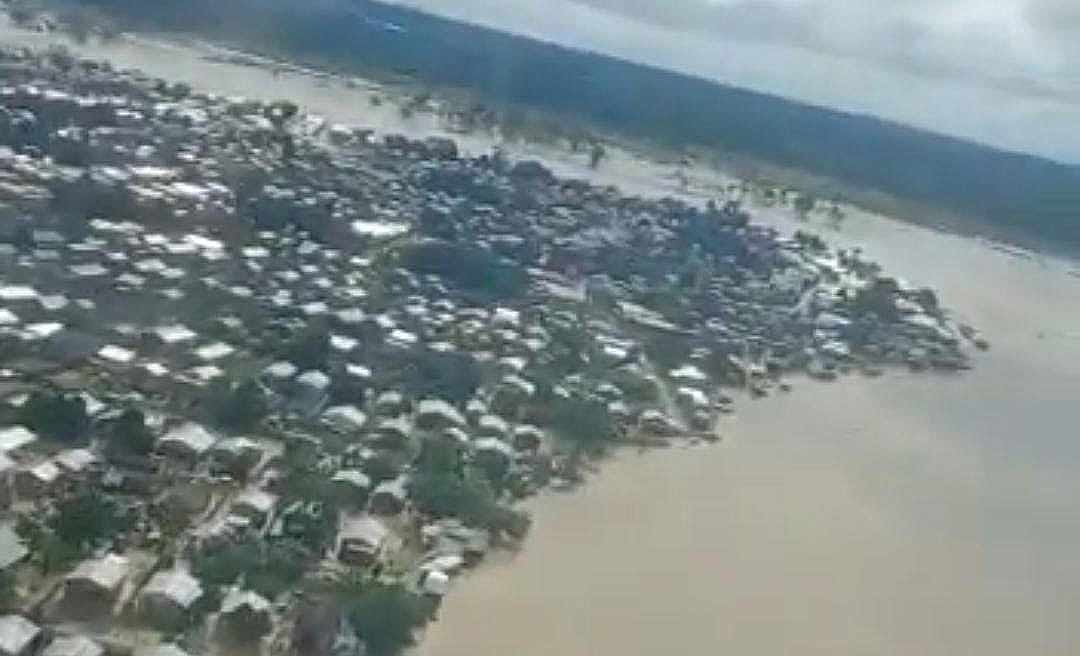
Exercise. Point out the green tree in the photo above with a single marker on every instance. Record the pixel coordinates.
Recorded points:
(237, 406)
(310, 349)
(87, 519)
(384, 616)
(129, 434)
(55, 415)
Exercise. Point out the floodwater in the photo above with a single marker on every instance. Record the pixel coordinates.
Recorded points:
(909, 514)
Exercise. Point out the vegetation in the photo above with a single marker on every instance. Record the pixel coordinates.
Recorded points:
(1012, 193)
(268, 568)
(55, 415)
(309, 349)
(471, 268)
(88, 519)
(129, 435)
(236, 406)
(384, 616)
(443, 487)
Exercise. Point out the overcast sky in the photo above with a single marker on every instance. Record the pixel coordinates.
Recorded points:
(1004, 72)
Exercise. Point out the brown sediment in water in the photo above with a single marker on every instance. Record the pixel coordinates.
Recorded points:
(903, 514)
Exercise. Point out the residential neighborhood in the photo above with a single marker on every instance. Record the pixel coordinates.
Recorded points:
(256, 365)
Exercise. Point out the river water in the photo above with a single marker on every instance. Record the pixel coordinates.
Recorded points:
(910, 514)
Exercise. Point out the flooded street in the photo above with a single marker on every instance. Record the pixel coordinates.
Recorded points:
(909, 514)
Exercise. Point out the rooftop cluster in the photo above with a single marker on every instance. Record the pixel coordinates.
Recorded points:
(275, 381)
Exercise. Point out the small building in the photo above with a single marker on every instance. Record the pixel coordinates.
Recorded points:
(351, 485)
(345, 418)
(492, 426)
(246, 615)
(96, 583)
(392, 433)
(236, 453)
(435, 583)
(255, 504)
(433, 414)
(362, 540)
(12, 549)
(14, 438)
(19, 636)
(37, 481)
(390, 404)
(187, 441)
(168, 597)
(75, 461)
(73, 645)
(528, 437)
(388, 497)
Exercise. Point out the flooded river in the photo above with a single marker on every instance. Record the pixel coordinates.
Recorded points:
(910, 514)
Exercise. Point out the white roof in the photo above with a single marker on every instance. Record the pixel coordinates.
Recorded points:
(46, 471)
(353, 477)
(191, 435)
(175, 333)
(75, 460)
(116, 354)
(177, 585)
(316, 379)
(694, 396)
(75, 645)
(107, 573)
(690, 373)
(281, 370)
(156, 369)
(88, 270)
(8, 318)
(365, 529)
(440, 408)
(207, 372)
(436, 583)
(493, 423)
(358, 370)
(506, 316)
(16, 634)
(43, 330)
(17, 293)
(343, 343)
(237, 599)
(14, 437)
(259, 500)
(494, 444)
(403, 337)
(214, 351)
(346, 416)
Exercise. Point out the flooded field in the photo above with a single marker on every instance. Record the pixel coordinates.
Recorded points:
(909, 514)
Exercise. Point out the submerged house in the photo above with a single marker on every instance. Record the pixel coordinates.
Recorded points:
(362, 540)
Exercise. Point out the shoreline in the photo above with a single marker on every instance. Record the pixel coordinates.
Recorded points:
(710, 174)
(773, 216)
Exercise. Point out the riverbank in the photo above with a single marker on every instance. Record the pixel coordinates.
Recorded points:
(905, 514)
(987, 300)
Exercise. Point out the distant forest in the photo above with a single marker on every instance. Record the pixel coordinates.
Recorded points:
(1015, 194)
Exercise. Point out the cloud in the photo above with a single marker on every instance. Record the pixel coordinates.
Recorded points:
(925, 62)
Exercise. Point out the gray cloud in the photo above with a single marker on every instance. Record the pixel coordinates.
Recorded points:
(1000, 71)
